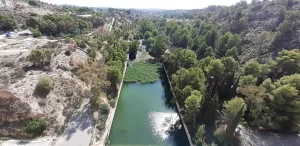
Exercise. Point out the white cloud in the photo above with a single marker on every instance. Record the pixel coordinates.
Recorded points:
(161, 4)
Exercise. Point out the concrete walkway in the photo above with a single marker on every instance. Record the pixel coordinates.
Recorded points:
(80, 128)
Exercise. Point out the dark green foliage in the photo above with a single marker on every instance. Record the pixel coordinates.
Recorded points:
(277, 39)
(104, 109)
(95, 102)
(286, 94)
(116, 57)
(192, 105)
(32, 22)
(220, 135)
(158, 46)
(200, 135)
(133, 48)
(143, 73)
(40, 58)
(233, 52)
(44, 85)
(90, 61)
(288, 61)
(35, 127)
(234, 123)
(7, 22)
(98, 22)
(248, 80)
(114, 74)
(147, 35)
(146, 25)
(180, 58)
(226, 42)
(33, 3)
(92, 52)
(253, 68)
(184, 79)
(217, 46)
(211, 37)
(181, 37)
(55, 25)
(36, 33)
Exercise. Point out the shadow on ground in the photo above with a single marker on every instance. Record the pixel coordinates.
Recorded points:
(80, 127)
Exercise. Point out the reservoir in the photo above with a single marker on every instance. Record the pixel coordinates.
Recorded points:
(146, 116)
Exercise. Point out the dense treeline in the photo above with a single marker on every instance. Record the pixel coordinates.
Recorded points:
(64, 24)
(222, 76)
(7, 22)
(269, 92)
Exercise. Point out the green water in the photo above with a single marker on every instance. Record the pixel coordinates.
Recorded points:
(140, 107)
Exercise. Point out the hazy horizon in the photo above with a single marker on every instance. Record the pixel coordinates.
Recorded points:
(150, 4)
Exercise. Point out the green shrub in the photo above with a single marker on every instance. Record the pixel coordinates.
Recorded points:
(33, 3)
(95, 102)
(44, 85)
(68, 39)
(220, 135)
(112, 103)
(35, 127)
(68, 53)
(36, 33)
(104, 109)
(39, 58)
(90, 61)
(142, 72)
(8, 22)
(81, 43)
(101, 126)
(92, 52)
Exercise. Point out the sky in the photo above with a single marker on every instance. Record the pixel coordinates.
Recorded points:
(159, 4)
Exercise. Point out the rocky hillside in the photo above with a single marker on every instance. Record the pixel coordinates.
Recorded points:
(22, 10)
(20, 100)
(13, 113)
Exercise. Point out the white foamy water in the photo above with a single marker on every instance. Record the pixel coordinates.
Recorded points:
(161, 122)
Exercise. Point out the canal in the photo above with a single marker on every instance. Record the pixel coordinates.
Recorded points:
(146, 116)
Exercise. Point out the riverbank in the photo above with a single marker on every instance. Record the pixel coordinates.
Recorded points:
(179, 110)
(110, 118)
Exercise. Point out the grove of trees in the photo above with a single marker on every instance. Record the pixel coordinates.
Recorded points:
(218, 81)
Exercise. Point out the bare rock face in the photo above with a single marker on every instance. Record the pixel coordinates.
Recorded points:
(13, 115)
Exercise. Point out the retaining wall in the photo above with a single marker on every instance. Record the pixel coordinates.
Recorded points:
(179, 110)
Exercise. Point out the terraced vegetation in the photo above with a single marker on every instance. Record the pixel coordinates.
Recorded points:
(143, 72)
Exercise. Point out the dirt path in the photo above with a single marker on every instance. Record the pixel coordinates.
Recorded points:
(112, 24)
(80, 128)
(44, 141)
(12, 52)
